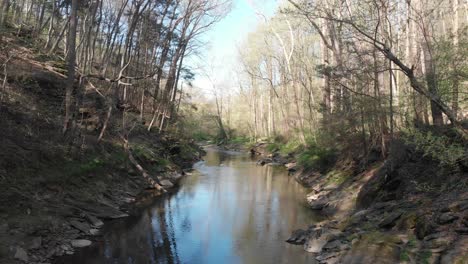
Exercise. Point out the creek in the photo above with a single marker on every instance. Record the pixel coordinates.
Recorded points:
(228, 211)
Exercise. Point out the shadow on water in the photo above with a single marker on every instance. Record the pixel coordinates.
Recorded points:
(228, 211)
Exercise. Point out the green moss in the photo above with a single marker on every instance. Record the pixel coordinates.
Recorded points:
(337, 177)
(404, 255)
(425, 256)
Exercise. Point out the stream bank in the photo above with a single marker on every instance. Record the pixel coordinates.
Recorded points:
(403, 209)
(58, 190)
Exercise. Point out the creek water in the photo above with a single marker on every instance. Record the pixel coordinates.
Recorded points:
(228, 211)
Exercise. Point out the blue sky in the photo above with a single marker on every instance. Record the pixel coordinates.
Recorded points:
(226, 36)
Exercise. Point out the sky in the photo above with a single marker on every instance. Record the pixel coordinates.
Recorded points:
(223, 40)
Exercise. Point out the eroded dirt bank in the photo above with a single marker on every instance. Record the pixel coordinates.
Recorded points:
(58, 190)
(402, 209)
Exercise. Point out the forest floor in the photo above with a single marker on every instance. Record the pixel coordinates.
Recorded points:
(402, 209)
(57, 191)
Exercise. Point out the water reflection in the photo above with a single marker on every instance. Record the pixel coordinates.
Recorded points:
(229, 211)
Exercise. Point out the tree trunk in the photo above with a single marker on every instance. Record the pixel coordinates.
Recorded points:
(71, 64)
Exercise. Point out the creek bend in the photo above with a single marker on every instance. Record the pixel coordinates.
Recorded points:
(229, 211)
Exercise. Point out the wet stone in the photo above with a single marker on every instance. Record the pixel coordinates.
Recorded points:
(298, 237)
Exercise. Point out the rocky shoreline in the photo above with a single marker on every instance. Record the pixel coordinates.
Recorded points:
(55, 227)
(380, 214)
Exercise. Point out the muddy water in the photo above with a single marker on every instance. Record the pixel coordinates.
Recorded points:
(228, 211)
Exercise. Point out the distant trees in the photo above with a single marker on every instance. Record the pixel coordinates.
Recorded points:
(358, 69)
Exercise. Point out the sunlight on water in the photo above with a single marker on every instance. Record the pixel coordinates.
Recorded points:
(228, 211)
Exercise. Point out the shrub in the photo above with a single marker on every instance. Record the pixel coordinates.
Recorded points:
(438, 147)
(317, 158)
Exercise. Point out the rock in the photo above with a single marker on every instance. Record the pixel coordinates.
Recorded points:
(335, 244)
(318, 205)
(167, 184)
(274, 164)
(462, 230)
(326, 256)
(435, 235)
(262, 162)
(298, 237)
(458, 206)
(94, 221)
(389, 221)
(79, 243)
(35, 243)
(424, 227)
(319, 238)
(358, 217)
(446, 218)
(21, 254)
(83, 227)
(291, 167)
(94, 231)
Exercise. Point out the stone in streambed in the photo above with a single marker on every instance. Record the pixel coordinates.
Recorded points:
(83, 227)
(79, 243)
(167, 184)
(298, 237)
(94, 221)
(21, 254)
(35, 243)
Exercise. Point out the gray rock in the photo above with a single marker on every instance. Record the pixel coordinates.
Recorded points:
(319, 238)
(167, 184)
(79, 243)
(318, 204)
(298, 237)
(94, 221)
(446, 218)
(35, 243)
(94, 231)
(323, 257)
(435, 236)
(335, 244)
(390, 220)
(83, 227)
(21, 254)
(462, 230)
